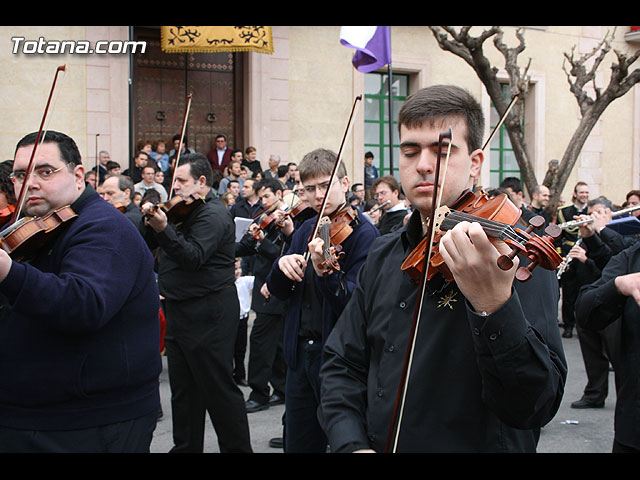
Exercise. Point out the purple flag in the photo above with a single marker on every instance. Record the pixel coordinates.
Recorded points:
(373, 45)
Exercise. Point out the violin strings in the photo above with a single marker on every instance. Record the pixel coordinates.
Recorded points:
(492, 227)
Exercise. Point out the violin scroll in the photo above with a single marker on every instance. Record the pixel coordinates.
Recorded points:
(497, 216)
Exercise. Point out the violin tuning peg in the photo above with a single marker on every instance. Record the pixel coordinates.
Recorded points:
(536, 222)
(523, 274)
(553, 230)
(505, 262)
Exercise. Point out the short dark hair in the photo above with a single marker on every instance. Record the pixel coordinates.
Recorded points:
(199, 166)
(320, 162)
(633, 193)
(513, 183)
(388, 180)
(68, 149)
(270, 183)
(439, 102)
(6, 185)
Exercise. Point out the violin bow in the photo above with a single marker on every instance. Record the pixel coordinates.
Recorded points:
(336, 164)
(398, 412)
(187, 107)
(97, 163)
(501, 121)
(334, 171)
(39, 140)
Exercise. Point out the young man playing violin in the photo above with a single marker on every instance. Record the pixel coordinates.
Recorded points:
(488, 368)
(265, 241)
(196, 276)
(79, 355)
(317, 295)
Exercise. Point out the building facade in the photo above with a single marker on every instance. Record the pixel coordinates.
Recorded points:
(299, 97)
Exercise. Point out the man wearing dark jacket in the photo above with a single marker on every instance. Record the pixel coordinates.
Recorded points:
(79, 346)
(196, 275)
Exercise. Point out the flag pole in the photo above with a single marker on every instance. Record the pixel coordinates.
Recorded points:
(390, 110)
(390, 121)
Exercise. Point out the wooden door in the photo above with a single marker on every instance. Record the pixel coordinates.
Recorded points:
(161, 83)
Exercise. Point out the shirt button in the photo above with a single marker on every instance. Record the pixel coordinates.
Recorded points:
(391, 348)
(494, 336)
(476, 331)
(402, 304)
(379, 392)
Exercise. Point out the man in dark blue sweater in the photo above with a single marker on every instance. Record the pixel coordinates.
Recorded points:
(79, 345)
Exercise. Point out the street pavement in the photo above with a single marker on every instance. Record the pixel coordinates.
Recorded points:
(570, 431)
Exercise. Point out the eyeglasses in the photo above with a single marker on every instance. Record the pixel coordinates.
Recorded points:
(322, 188)
(381, 194)
(44, 172)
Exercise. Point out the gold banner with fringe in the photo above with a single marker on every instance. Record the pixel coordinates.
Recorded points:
(216, 39)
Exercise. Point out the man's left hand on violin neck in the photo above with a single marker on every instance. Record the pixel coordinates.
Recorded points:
(472, 259)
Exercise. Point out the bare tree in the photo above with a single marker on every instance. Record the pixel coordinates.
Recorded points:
(591, 99)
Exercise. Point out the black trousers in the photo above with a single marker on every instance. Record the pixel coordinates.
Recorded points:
(240, 351)
(266, 361)
(302, 430)
(130, 436)
(200, 340)
(570, 288)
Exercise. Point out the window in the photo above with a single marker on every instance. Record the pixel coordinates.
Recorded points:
(376, 118)
(503, 162)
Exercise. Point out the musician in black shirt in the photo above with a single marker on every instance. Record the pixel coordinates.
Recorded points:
(196, 275)
(488, 369)
(616, 295)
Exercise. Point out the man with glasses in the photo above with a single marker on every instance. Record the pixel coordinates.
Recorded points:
(387, 189)
(80, 359)
(317, 296)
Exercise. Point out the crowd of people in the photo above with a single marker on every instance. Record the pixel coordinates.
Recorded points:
(320, 262)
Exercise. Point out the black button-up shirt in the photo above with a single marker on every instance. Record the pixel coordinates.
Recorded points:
(600, 304)
(477, 383)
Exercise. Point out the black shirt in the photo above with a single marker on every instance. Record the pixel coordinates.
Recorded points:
(479, 384)
(599, 304)
(197, 255)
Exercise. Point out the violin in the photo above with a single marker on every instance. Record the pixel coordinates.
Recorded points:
(334, 231)
(498, 217)
(268, 219)
(178, 207)
(301, 208)
(32, 233)
(28, 234)
(6, 213)
(120, 206)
